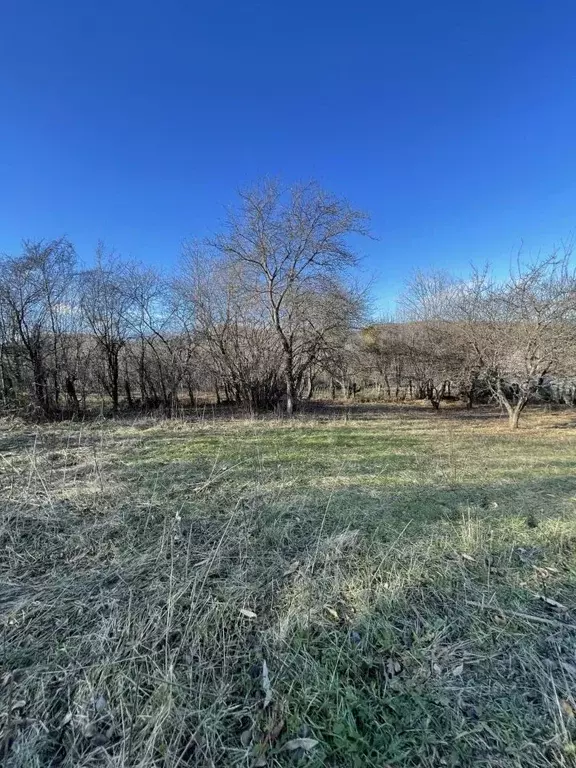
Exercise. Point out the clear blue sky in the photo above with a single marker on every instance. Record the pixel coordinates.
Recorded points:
(452, 123)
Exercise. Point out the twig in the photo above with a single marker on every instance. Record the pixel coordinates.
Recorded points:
(519, 615)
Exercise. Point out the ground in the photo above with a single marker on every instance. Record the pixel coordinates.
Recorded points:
(369, 586)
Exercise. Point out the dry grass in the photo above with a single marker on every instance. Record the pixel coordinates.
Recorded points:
(387, 569)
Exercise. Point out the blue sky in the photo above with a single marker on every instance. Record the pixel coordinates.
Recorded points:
(452, 123)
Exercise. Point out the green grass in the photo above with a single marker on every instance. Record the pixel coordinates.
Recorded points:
(387, 558)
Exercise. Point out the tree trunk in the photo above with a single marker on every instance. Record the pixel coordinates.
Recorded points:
(71, 392)
(309, 387)
(290, 395)
(7, 387)
(114, 374)
(513, 409)
(41, 387)
(387, 382)
(142, 375)
(56, 388)
(153, 399)
(471, 392)
(516, 410)
(115, 393)
(128, 391)
(290, 385)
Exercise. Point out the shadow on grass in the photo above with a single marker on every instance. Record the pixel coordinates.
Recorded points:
(371, 644)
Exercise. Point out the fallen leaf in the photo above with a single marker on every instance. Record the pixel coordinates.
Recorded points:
(20, 704)
(275, 731)
(266, 687)
(305, 744)
(332, 612)
(248, 613)
(464, 556)
(292, 568)
(527, 554)
(7, 678)
(567, 708)
(393, 667)
(437, 668)
(100, 703)
(260, 762)
(246, 737)
(457, 671)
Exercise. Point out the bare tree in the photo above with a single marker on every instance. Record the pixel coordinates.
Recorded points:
(231, 323)
(159, 350)
(436, 349)
(522, 330)
(35, 295)
(106, 303)
(293, 251)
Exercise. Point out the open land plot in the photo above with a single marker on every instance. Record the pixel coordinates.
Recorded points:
(371, 587)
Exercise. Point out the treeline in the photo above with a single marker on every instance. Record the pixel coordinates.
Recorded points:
(266, 313)
(248, 315)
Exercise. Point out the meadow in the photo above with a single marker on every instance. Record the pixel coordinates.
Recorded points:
(371, 586)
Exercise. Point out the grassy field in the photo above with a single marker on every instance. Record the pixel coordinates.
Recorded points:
(377, 587)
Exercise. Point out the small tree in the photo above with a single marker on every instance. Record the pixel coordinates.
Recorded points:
(437, 352)
(522, 329)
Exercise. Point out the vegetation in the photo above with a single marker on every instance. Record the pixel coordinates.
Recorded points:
(267, 313)
(244, 523)
(363, 586)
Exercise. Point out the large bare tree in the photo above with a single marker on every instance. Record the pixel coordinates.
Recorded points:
(294, 253)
